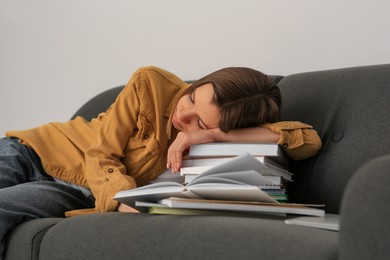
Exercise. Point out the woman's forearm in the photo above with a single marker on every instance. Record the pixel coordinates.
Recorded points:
(253, 134)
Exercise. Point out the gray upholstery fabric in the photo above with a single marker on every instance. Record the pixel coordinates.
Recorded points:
(365, 229)
(350, 109)
(142, 236)
(23, 243)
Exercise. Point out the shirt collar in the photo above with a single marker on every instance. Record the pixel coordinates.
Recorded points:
(171, 108)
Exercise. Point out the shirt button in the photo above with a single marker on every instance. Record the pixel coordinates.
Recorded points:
(146, 137)
(285, 145)
(110, 170)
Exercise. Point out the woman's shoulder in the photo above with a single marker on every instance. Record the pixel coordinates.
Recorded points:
(151, 69)
(157, 73)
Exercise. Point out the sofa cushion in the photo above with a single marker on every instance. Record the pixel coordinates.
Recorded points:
(143, 236)
(350, 108)
(365, 211)
(25, 240)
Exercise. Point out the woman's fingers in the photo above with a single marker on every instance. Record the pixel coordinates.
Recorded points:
(182, 143)
(174, 159)
(175, 152)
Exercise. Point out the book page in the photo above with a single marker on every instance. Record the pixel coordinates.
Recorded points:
(232, 192)
(151, 193)
(250, 177)
(240, 163)
(157, 185)
(214, 181)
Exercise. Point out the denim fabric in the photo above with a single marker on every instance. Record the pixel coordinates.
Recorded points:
(27, 192)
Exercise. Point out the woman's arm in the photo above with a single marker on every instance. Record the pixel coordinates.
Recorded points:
(105, 172)
(252, 134)
(298, 139)
(185, 139)
(127, 209)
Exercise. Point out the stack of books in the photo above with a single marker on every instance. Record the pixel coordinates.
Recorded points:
(273, 162)
(236, 178)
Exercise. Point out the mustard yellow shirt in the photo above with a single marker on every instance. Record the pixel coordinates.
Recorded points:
(126, 146)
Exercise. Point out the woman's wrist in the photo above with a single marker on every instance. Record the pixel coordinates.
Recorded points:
(218, 135)
(124, 208)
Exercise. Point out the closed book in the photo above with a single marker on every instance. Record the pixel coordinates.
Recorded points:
(211, 161)
(161, 210)
(243, 206)
(229, 149)
(221, 149)
(158, 210)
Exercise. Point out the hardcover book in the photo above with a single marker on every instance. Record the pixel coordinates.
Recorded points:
(192, 205)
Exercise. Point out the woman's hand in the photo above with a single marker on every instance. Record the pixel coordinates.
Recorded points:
(183, 141)
(124, 208)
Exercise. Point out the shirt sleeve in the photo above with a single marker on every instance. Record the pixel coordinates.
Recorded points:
(105, 173)
(299, 140)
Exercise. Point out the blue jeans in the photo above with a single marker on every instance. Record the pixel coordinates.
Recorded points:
(27, 192)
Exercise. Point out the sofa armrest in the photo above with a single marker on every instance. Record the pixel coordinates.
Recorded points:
(365, 212)
(25, 240)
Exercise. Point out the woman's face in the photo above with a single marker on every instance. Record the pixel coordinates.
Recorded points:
(196, 110)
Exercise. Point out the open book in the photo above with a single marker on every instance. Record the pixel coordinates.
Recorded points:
(272, 173)
(239, 179)
(182, 206)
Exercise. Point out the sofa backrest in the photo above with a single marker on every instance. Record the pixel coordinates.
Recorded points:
(98, 103)
(350, 109)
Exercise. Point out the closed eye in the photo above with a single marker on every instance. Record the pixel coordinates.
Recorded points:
(191, 97)
(201, 124)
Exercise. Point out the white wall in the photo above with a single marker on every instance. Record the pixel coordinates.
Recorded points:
(56, 54)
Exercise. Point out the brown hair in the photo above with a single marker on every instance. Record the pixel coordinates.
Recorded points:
(246, 97)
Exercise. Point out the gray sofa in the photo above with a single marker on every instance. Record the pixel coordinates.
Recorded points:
(349, 107)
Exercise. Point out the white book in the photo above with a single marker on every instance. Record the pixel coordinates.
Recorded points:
(242, 206)
(195, 162)
(237, 179)
(221, 149)
(160, 209)
(328, 221)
